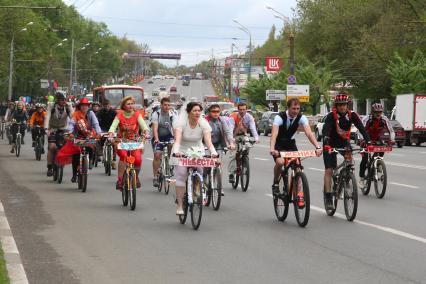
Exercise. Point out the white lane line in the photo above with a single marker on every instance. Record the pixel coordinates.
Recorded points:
(378, 227)
(396, 155)
(316, 169)
(260, 159)
(404, 185)
(151, 159)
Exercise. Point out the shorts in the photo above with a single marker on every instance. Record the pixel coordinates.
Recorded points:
(158, 147)
(290, 146)
(330, 160)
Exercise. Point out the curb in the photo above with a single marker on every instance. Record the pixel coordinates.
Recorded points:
(12, 257)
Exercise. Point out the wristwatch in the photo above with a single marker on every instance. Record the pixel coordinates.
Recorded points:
(318, 148)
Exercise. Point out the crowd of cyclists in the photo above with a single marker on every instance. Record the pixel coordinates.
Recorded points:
(186, 129)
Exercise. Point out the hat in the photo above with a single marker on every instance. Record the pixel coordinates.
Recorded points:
(84, 101)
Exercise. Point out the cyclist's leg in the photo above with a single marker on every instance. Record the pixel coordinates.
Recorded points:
(121, 168)
(34, 135)
(138, 164)
(157, 160)
(75, 163)
(180, 174)
(330, 162)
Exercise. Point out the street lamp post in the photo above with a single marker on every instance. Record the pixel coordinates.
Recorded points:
(246, 30)
(286, 20)
(75, 62)
(12, 43)
(49, 64)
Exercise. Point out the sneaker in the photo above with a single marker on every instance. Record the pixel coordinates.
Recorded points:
(33, 144)
(328, 201)
(155, 181)
(361, 183)
(301, 200)
(50, 172)
(119, 185)
(222, 192)
(275, 189)
(231, 178)
(12, 150)
(179, 211)
(113, 166)
(74, 179)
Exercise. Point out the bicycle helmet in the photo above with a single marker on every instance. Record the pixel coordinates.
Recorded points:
(377, 107)
(341, 99)
(84, 101)
(37, 106)
(59, 96)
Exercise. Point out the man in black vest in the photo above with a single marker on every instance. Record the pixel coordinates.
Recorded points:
(283, 135)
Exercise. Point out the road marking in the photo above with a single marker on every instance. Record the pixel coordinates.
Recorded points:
(261, 159)
(378, 227)
(316, 169)
(151, 159)
(404, 185)
(397, 155)
(14, 266)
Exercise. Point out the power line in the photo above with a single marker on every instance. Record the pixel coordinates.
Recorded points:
(192, 37)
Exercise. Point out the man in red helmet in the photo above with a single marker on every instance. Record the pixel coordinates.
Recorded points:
(380, 132)
(336, 132)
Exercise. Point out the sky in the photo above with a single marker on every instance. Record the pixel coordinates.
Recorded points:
(196, 29)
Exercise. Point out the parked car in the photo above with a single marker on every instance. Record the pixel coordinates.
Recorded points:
(173, 89)
(318, 130)
(150, 82)
(162, 88)
(265, 123)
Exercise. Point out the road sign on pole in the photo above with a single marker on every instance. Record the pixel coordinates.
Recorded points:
(299, 91)
(291, 79)
(44, 84)
(275, 95)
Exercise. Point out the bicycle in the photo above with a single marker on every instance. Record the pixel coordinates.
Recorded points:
(8, 134)
(213, 181)
(58, 170)
(18, 141)
(39, 142)
(241, 160)
(344, 177)
(165, 169)
(293, 187)
(107, 155)
(128, 194)
(193, 198)
(82, 168)
(376, 170)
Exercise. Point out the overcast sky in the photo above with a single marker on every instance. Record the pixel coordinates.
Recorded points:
(190, 27)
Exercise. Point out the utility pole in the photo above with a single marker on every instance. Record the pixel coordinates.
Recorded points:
(292, 60)
(9, 96)
(72, 61)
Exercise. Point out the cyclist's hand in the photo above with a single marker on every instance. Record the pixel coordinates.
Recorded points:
(274, 153)
(177, 155)
(232, 146)
(362, 144)
(156, 141)
(257, 141)
(110, 135)
(391, 143)
(318, 152)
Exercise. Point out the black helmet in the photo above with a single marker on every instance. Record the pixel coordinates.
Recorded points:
(60, 95)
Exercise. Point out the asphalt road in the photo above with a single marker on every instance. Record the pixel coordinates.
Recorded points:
(66, 236)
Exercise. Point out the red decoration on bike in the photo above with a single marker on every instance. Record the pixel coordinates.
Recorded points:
(130, 159)
(327, 148)
(379, 149)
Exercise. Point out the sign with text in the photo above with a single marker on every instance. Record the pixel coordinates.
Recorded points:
(133, 55)
(299, 91)
(299, 154)
(273, 64)
(275, 95)
(44, 84)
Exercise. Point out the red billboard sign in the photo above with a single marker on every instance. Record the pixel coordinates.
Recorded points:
(273, 64)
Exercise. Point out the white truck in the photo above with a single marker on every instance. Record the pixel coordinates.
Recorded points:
(410, 111)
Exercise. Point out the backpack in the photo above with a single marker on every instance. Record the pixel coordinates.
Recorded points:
(67, 109)
(344, 134)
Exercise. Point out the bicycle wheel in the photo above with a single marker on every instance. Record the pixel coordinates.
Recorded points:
(330, 212)
(132, 189)
(245, 173)
(18, 145)
(382, 178)
(125, 190)
(236, 181)
(55, 172)
(83, 172)
(182, 218)
(160, 182)
(216, 189)
(301, 199)
(60, 173)
(2, 131)
(37, 150)
(366, 188)
(197, 202)
(166, 183)
(166, 186)
(280, 201)
(350, 194)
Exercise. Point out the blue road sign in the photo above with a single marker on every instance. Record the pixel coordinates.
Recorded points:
(291, 79)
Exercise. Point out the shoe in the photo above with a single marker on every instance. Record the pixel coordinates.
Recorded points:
(275, 189)
(301, 200)
(361, 183)
(119, 185)
(222, 192)
(33, 144)
(12, 150)
(90, 165)
(113, 166)
(328, 201)
(179, 211)
(231, 178)
(155, 182)
(74, 179)
(50, 172)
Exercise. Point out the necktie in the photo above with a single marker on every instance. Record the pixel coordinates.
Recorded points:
(291, 121)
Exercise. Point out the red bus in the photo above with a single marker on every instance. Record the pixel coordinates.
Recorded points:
(115, 93)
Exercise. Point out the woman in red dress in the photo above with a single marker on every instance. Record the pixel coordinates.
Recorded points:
(129, 122)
